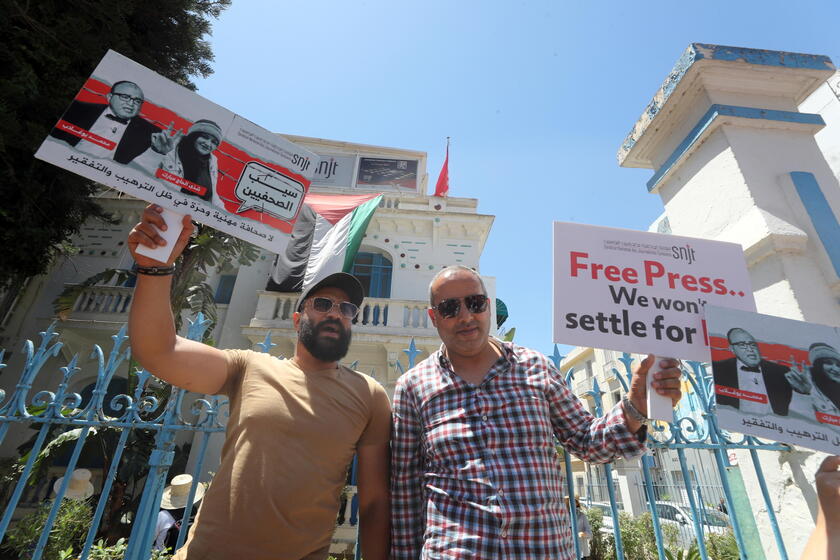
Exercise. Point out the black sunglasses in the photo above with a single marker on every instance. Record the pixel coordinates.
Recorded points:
(449, 308)
(323, 305)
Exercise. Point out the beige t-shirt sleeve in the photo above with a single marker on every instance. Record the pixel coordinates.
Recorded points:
(378, 429)
(237, 361)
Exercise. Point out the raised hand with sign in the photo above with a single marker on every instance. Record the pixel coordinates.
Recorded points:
(666, 382)
(151, 233)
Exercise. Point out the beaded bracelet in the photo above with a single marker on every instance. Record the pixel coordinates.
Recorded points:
(155, 270)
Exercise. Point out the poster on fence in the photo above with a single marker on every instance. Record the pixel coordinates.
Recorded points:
(776, 378)
(642, 292)
(133, 130)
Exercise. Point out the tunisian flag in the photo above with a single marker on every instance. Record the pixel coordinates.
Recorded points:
(442, 185)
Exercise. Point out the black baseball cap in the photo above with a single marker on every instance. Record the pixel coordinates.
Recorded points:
(341, 280)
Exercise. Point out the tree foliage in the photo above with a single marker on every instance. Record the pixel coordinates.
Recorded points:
(48, 49)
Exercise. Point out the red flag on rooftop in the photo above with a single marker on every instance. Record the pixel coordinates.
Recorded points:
(442, 185)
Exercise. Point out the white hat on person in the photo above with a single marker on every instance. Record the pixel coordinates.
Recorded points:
(175, 495)
(80, 486)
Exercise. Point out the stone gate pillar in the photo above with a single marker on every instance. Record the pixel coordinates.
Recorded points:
(735, 160)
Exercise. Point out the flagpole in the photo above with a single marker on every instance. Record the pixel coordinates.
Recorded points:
(442, 185)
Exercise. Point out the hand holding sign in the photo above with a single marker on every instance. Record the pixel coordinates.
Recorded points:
(660, 374)
(226, 171)
(150, 235)
(165, 141)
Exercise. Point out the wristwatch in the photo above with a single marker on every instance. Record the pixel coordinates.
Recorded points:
(633, 412)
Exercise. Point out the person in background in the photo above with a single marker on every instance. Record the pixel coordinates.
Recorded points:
(584, 530)
(173, 504)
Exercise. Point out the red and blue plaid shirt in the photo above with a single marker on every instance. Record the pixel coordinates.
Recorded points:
(475, 473)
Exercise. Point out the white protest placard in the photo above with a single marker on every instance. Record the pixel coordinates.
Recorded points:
(776, 378)
(642, 292)
(133, 130)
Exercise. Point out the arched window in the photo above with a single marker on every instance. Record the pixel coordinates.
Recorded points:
(374, 272)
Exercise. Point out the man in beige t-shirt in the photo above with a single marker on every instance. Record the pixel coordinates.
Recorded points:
(294, 424)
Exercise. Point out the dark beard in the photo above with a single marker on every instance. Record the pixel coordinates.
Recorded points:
(324, 349)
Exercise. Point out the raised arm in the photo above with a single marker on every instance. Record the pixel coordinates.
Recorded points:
(614, 435)
(154, 344)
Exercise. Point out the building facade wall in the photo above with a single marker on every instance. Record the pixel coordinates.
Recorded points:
(733, 182)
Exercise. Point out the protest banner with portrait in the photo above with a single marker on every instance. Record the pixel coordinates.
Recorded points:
(133, 130)
(776, 378)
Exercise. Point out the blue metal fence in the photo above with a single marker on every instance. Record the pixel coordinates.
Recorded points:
(140, 410)
(181, 414)
(689, 431)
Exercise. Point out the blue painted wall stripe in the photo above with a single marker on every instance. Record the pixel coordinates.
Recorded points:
(716, 111)
(823, 218)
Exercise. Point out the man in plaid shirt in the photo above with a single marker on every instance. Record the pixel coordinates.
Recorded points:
(475, 473)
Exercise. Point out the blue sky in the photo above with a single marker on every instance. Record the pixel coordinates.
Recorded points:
(536, 96)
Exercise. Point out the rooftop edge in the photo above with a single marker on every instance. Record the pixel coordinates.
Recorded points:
(704, 51)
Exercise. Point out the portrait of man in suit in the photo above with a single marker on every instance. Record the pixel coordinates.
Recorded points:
(752, 384)
(114, 130)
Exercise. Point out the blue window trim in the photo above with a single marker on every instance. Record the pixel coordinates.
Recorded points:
(377, 273)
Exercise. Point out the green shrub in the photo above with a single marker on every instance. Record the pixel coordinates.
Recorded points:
(718, 547)
(68, 532)
(636, 535)
(722, 547)
(598, 546)
(116, 551)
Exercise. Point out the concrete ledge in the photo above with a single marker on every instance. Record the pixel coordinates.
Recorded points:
(713, 118)
(810, 67)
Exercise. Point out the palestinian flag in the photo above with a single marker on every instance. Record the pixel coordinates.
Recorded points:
(325, 239)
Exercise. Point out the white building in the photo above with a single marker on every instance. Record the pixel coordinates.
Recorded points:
(745, 145)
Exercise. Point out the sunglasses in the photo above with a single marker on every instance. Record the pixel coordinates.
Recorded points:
(323, 305)
(449, 308)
